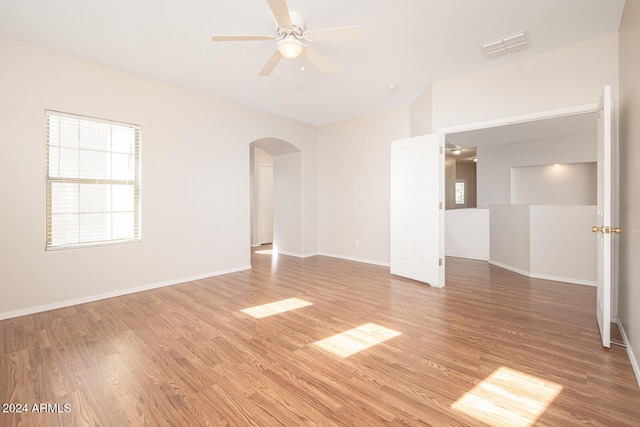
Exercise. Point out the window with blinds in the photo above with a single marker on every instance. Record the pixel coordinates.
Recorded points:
(92, 178)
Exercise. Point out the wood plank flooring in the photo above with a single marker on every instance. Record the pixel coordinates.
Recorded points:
(491, 348)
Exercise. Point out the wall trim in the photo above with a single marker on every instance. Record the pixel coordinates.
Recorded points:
(544, 276)
(564, 279)
(362, 260)
(293, 254)
(632, 358)
(297, 255)
(309, 255)
(539, 115)
(346, 258)
(509, 267)
(122, 292)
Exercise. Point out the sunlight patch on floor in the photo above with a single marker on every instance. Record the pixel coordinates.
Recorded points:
(264, 252)
(276, 307)
(355, 340)
(508, 398)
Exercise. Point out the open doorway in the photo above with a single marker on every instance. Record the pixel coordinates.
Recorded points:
(460, 177)
(534, 174)
(262, 209)
(276, 195)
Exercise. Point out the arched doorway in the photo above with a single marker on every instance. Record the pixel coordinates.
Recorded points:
(276, 209)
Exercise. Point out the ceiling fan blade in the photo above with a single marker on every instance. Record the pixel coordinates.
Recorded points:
(240, 38)
(338, 33)
(319, 61)
(271, 63)
(281, 13)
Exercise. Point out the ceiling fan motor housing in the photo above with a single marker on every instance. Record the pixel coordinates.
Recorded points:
(298, 26)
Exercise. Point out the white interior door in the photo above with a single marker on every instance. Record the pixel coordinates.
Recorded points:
(265, 203)
(605, 216)
(417, 216)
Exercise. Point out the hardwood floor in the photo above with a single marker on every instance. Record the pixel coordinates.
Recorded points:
(491, 348)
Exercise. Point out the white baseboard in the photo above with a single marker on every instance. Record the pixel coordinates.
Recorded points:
(564, 279)
(98, 297)
(362, 260)
(544, 276)
(508, 267)
(293, 254)
(632, 358)
(310, 255)
(297, 255)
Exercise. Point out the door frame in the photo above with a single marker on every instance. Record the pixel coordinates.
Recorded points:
(261, 230)
(550, 114)
(523, 118)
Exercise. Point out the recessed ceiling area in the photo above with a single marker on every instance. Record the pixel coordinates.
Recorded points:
(413, 44)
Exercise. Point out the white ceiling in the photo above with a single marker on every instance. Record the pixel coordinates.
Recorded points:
(412, 43)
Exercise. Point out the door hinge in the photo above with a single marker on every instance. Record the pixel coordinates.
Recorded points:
(440, 150)
(440, 205)
(440, 262)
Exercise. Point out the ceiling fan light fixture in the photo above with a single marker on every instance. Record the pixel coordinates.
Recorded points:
(290, 47)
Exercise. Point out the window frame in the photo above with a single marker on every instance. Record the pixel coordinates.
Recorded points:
(49, 181)
(463, 181)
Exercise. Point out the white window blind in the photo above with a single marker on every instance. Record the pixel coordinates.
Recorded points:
(92, 178)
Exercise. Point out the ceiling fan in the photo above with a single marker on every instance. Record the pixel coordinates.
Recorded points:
(291, 37)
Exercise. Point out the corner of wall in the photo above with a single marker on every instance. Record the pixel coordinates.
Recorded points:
(420, 114)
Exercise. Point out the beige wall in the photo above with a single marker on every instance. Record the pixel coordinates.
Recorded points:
(629, 276)
(561, 78)
(195, 180)
(566, 184)
(495, 162)
(353, 190)
(353, 156)
(420, 114)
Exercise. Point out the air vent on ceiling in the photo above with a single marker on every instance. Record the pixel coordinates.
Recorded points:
(504, 45)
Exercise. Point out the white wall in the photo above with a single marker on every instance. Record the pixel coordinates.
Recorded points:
(557, 184)
(353, 190)
(195, 180)
(564, 230)
(509, 237)
(353, 174)
(566, 77)
(288, 204)
(530, 240)
(421, 113)
(467, 233)
(629, 291)
(495, 162)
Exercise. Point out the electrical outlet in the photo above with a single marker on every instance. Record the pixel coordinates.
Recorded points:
(194, 255)
(357, 242)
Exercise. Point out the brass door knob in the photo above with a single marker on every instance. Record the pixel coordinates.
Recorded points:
(605, 229)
